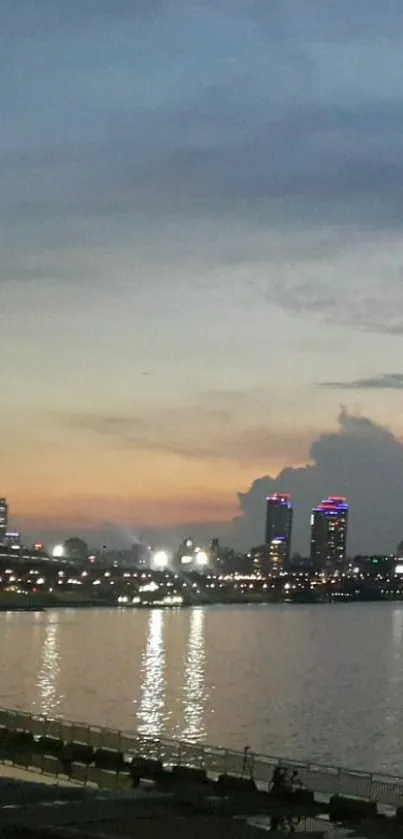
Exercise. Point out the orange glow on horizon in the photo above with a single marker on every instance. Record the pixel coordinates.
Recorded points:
(54, 482)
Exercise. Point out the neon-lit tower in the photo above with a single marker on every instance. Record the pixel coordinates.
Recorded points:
(278, 527)
(329, 531)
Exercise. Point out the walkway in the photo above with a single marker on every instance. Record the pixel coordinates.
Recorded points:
(328, 780)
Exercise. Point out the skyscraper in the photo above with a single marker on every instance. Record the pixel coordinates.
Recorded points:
(278, 527)
(3, 518)
(329, 531)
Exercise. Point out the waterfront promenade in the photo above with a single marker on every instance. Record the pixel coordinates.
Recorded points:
(215, 761)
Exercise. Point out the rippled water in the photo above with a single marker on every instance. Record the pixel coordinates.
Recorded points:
(319, 682)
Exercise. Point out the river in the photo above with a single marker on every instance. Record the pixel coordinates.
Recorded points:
(309, 682)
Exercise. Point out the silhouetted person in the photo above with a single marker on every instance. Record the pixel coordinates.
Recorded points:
(279, 780)
(295, 780)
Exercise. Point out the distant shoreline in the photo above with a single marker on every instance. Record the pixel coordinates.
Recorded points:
(44, 607)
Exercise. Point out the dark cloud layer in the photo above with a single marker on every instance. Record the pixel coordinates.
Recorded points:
(121, 116)
(196, 432)
(388, 381)
(362, 461)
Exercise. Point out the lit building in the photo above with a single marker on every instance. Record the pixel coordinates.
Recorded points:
(329, 531)
(12, 539)
(3, 518)
(278, 552)
(278, 527)
(190, 558)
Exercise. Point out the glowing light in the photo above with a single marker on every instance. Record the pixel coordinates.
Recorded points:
(172, 600)
(149, 587)
(282, 499)
(160, 560)
(399, 569)
(58, 551)
(186, 560)
(202, 558)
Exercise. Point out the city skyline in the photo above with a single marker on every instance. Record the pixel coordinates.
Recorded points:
(200, 262)
(328, 528)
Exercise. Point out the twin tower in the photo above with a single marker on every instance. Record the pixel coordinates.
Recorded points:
(328, 530)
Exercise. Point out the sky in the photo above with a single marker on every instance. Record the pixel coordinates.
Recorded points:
(201, 251)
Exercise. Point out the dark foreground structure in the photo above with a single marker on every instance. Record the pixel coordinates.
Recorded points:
(35, 811)
(30, 810)
(106, 783)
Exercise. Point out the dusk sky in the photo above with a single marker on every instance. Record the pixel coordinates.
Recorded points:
(201, 253)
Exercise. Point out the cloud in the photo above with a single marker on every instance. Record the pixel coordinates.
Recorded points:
(280, 126)
(268, 117)
(362, 461)
(197, 432)
(387, 381)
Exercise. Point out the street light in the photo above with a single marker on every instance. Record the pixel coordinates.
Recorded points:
(160, 560)
(202, 559)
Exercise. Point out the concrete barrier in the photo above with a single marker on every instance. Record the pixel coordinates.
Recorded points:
(51, 765)
(77, 753)
(36, 761)
(18, 741)
(79, 772)
(95, 775)
(48, 746)
(142, 767)
(108, 780)
(235, 783)
(343, 808)
(216, 761)
(108, 759)
(190, 775)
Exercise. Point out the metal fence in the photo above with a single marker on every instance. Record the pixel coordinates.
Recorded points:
(328, 780)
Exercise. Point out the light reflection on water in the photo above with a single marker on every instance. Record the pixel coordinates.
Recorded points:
(49, 698)
(308, 682)
(194, 688)
(150, 714)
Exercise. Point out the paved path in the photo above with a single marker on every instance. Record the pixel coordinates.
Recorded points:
(17, 774)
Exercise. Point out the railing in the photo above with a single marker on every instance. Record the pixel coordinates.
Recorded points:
(329, 780)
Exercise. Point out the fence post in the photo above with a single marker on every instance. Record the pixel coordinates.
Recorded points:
(252, 766)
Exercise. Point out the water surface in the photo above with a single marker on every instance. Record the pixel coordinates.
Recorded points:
(318, 682)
